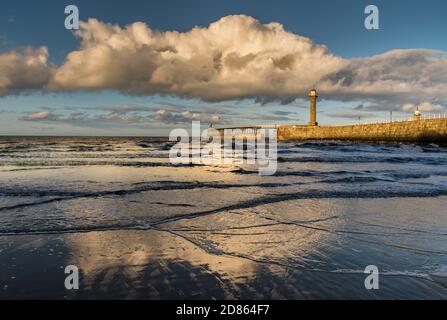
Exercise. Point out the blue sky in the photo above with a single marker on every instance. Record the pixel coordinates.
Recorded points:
(335, 24)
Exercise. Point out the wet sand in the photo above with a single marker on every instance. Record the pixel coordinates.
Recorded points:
(244, 263)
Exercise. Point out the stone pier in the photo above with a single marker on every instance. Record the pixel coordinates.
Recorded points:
(426, 130)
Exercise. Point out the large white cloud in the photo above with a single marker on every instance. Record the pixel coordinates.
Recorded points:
(25, 70)
(235, 57)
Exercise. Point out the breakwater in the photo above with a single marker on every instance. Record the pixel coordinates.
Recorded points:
(423, 130)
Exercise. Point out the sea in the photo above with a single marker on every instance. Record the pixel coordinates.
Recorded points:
(136, 226)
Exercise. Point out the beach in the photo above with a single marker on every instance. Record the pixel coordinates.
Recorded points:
(138, 227)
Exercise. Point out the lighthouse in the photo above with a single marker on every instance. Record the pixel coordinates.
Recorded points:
(313, 108)
(417, 114)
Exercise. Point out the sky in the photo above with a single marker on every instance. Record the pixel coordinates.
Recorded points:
(146, 67)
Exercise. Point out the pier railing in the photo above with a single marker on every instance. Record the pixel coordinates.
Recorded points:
(247, 129)
(427, 116)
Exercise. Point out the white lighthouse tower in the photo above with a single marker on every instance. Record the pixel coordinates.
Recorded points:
(417, 114)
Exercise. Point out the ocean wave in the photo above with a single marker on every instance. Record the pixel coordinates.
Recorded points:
(356, 179)
(58, 195)
(364, 159)
(133, 155)
(75, 163)
(352, 176)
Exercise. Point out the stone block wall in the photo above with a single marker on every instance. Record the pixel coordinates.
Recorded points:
(431, 130)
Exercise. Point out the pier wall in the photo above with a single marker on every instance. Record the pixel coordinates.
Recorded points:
(427, 130)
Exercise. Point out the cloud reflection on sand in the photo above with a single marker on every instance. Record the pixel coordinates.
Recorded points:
(107, 258)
